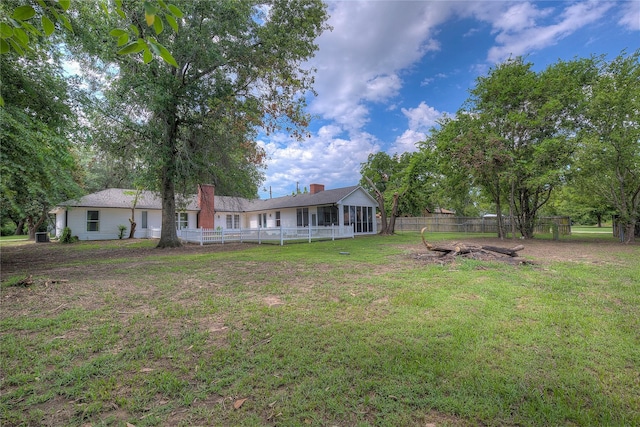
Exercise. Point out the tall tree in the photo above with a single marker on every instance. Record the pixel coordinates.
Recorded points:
(609, 159)
(515, 134)
(388, 178)
(38, 167)
(239, 69)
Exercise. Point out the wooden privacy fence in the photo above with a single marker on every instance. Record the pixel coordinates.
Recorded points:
(457, 224)
(278, 235)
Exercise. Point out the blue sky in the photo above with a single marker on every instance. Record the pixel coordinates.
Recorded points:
(390, 69)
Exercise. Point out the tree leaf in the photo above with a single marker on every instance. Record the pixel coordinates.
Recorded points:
(134, 30)
(64, 4)
(4, 46)
(23, 13)
(21, 36)
(147, 56)
(47, 25)
(16, 46)
(162, 4)
(66, 23)
(31, 29)
(238, 403)
(133, 47)
(5, 30)
(117, 32)
(172, 22)
(123, 39)
(158, 26)
(166, 55)
(149, 18)
(149, 8)
(175, 11)
(153, 44)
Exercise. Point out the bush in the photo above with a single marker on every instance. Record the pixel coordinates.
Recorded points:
(67, 237)
(121, 230)
(8, 228)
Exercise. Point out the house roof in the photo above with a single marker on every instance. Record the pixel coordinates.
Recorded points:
(123, 198)
(325, 197)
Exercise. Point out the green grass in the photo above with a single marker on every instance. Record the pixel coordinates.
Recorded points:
(582, 229)
(7, 239)
(369, 338)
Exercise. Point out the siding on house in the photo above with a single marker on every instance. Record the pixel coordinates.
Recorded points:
(113, 207)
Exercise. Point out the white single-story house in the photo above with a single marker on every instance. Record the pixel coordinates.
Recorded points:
(97, 216)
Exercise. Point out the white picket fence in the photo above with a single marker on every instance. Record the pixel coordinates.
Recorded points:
(265, 235)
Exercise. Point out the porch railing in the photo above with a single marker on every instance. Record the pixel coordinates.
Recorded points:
(278, 235)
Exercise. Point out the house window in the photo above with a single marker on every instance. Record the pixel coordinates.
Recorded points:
(277, 218)
(144, 219)
(182, 220)
(302, 215)
(233, 221)
(361, 217)
(93, 220)
(262, 220)
(327, 215)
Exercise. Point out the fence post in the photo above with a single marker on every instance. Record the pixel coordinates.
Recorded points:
(281, 236)
(259, 235)
(333, 232)
(222, 235)
(309, 234)
(201, 236)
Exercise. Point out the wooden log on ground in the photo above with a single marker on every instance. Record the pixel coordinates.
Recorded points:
(513, 252)
(455, 249)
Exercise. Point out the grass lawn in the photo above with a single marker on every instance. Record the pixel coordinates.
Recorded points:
(353, 332)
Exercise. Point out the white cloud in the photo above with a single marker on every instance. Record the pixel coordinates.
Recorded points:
(518, 30)
(361, 58)
(421, 119)
(325, 158)
(363, 65)
(631, 15)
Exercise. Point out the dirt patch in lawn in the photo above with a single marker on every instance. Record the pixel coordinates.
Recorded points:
(539, 251)
(37, 258)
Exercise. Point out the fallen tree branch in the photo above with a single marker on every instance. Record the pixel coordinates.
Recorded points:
(484, 252)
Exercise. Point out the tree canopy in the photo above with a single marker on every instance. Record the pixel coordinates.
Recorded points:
(608, 162)
(514, 137)
(239, 70)
(38, 165)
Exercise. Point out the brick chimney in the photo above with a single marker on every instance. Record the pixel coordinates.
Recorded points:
(316, 188)
(206, 205)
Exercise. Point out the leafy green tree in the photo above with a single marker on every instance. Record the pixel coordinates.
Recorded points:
(388, 178)
(514, 135)
(239, 70)
(22, 22)
(609, 157)
(38, 167)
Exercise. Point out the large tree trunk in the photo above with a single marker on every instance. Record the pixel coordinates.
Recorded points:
(20, 228)
(169, 235)
(132, 232)
(384, 227)
(499, 218)
(391, 229)
(33, 225)
(512, 209)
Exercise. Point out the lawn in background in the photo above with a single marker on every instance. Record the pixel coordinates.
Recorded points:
(350, 332)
